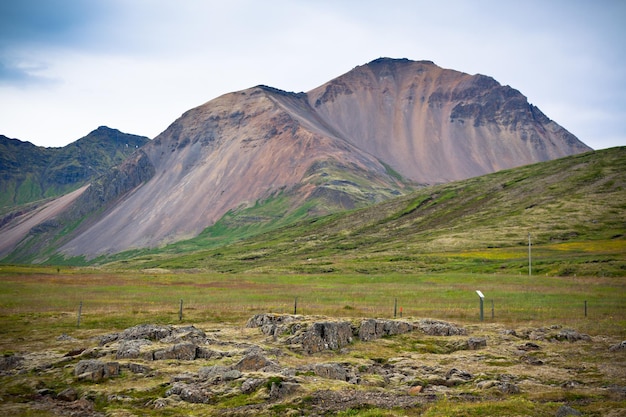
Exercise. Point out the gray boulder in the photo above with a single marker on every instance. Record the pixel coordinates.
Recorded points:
(273, 324)
(9, 362)
(95, 370)
(213, 373)
(231, 375)
(130, 349)
(186, 334)
(331, 371)
(206, 353)
(508, 388)
(253, 362)
(279, 390)
(326, 335)
(137, 368)
(456, 377)
(68, 394)
(192, 393)
(474, 343)
(439, 328)
(571, 335)
(565, 411)
(180, 351)
(372, 329)
(251, 384)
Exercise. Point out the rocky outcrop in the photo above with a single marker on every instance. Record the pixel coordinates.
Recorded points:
(317, 336)
(9, 362)
(253, 362)
(373, 329)
(266, 375)
(331, 371)
(95, 370)
(274, 324)
(326, 335)
(152, 332)
(180, 351)
(192, 393)
(439, 328)
(155, 342)
(553, 334)
(473, 343)
(566, 410)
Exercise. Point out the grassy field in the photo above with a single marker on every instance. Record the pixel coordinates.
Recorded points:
(38, 304)
(418, 256)
(29, 295)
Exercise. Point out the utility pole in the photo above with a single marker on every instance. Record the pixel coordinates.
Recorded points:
(530, 268)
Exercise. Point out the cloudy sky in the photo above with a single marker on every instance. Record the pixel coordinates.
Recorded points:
(69, 66)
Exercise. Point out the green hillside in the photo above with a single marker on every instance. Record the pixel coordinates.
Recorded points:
(574, 209)
(30, 173)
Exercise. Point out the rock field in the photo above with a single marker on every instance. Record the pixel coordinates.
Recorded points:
(307, 365)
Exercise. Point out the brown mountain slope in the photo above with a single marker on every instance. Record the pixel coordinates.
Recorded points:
(231, 152)
(436, 125)
(336, 143)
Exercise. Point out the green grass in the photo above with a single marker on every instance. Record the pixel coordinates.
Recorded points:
(122, 299)
(38, 303)
(511, 406)
(430, 251)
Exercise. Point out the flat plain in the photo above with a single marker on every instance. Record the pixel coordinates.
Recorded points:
(527, 366)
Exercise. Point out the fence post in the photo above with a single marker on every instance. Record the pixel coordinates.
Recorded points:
(395, 307)
(295, 306)
(492, 311)
(80, 310)
(482, 297)
(585, 308)
(180, 311)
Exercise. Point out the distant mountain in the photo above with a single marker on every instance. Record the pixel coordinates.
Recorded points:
(374, 133)
(29, 173)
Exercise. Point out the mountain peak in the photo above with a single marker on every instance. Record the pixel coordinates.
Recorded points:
(365, 136)
(387, 60)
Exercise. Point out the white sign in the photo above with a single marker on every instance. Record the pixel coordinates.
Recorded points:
(480, 294)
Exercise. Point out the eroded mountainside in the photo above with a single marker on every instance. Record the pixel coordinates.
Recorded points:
(366, 136)
(437, 125)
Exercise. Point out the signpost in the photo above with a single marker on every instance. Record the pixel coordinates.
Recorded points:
(482, 299)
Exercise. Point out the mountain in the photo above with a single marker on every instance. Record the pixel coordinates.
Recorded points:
(434, 125)
(30, 173)
(374, 133)
(572, 207)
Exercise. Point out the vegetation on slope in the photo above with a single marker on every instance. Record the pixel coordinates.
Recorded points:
(573, 208)
(29, 173)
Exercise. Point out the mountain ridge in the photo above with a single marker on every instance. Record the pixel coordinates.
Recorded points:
(30, 173)
(371, 134)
